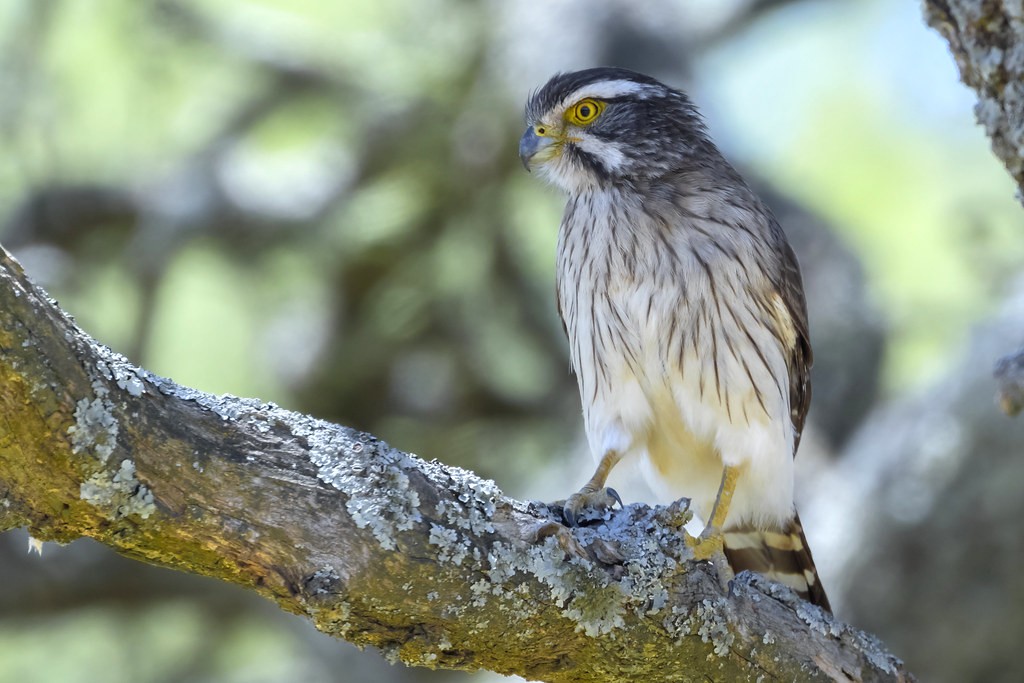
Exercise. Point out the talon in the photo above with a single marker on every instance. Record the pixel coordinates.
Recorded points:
(594, 494)
(614, 494)
(569, 511)
(584, 500)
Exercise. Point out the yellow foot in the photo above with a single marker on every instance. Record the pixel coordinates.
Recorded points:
(599, 500)
(708, 545)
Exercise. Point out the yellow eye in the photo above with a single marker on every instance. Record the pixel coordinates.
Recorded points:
(584, 111)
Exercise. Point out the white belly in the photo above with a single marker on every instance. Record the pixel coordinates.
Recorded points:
(650, 390)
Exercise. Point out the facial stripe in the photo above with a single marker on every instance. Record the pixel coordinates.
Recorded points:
(604, 90)
(589, 159)
(608, 154)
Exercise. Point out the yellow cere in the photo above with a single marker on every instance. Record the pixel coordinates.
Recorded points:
(584, 111)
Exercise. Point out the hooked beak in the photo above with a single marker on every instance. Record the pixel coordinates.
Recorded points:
(532, 144)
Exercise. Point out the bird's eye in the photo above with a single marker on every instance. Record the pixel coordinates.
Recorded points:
(584, 111)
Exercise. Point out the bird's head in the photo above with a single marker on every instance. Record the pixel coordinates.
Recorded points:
(609, 126)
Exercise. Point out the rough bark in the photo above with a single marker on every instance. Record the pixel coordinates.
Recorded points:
(429, 563)
(986, 38)
(987, 41)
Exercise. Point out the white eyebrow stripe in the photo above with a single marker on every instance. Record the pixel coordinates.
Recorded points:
(605, 90)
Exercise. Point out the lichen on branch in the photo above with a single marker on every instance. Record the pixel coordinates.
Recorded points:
(429, 563)
(986, 38)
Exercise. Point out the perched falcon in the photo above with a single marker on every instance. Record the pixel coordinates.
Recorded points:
(685, 313)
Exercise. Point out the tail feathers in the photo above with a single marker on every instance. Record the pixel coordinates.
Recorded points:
(781, 556)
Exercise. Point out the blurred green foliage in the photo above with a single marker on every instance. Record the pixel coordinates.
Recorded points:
(166, 642)
(869, 125)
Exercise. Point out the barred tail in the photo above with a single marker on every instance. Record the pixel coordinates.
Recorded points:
(781, 556)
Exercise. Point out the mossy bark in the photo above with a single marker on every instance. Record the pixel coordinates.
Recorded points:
(429, 563)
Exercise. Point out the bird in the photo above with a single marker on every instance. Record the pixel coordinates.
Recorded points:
(683, 305)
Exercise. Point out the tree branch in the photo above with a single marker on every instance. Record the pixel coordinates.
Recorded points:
(987, 41)
(1009, 372)
(429, 563)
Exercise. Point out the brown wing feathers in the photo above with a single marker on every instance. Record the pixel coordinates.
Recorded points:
(781, 556)
(784, 556)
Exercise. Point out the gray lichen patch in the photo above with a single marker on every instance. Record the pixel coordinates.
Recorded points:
(120, 494)
(114, 367)
(826, 624)
(452, 546)
(599, 599)
(598, 612)
(373, 476)
(875, 652)
(472, 501)
(95, 429)
(713, 627)
(135, 382)
(227, 407)
(708, 619)
(380, 496)
(652, 552)
(752, 586)
(819, 620)
(130, 380)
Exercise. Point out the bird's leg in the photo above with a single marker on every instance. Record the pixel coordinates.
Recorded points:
(594, 493)
(710, 540)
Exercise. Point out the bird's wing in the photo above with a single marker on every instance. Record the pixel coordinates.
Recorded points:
(800, 358)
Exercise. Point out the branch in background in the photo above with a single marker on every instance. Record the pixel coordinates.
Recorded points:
(429, 563)
(1009, 373)
(987, 41)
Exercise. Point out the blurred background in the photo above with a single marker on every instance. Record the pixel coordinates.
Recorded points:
(320, 204)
